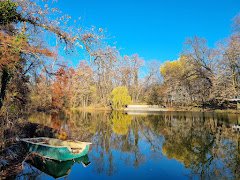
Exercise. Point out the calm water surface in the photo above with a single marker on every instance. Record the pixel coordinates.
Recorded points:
(169, 145)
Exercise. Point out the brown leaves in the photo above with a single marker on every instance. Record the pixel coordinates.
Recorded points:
(61, 88)
(7, 53)
(11, 48)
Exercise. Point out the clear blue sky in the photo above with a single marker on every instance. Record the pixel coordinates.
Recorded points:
(155, 29)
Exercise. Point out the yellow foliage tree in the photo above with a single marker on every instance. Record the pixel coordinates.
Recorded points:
(120, 97)
(173, 68)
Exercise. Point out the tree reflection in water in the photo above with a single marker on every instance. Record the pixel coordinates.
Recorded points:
(203, 142)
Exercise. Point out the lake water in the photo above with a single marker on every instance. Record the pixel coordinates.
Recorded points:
(168, 145)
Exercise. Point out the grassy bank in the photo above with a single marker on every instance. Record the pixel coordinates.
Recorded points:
(92, 108)
(190, 108)
(195, 109)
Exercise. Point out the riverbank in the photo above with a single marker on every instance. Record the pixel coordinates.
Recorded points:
(156, 108)
(92, 108)
(140, 107)
(13, 152)
(194, 109)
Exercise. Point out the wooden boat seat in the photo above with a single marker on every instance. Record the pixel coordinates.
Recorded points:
(70, 144)
(75, 151)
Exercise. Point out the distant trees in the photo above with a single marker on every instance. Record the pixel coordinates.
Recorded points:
(129, 75)
(231, 63)
(203, 76)
(107, 79)
(173, 75)
(104, 66)
(40, 94)
(155, 95)
(83, 87)
(189, 80)
(62, 88)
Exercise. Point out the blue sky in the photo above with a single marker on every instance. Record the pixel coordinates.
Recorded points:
(155, 29)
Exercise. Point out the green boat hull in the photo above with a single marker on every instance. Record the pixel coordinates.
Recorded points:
(56, 153)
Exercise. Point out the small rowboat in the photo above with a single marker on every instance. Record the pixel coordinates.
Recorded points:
(57, 149)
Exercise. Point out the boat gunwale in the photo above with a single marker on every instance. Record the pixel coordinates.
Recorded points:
(68, 147)
(50, 158)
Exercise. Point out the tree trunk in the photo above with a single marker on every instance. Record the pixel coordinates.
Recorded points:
(4, 82)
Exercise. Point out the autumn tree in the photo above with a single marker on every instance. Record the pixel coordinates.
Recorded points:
(228, 69)
(83, 87)
(62, 88)
(15, 49)
(120, 97)
(129, 69)
(173, 76)
(40, 94)
(200, 60)
(104, 66)
(156, 94)
(190, 79)
(231, 56)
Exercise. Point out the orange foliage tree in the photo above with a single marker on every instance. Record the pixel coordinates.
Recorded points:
(61, 88)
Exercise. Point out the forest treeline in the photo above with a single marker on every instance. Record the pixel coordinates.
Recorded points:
(203, 76)
(34, 77)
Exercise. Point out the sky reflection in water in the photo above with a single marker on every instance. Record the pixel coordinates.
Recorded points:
(170, 145)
